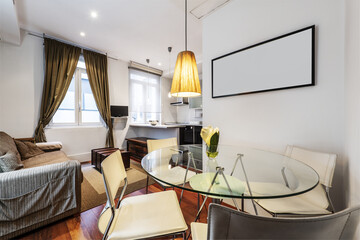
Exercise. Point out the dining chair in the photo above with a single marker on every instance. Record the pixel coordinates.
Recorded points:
(227, 223)
(153, 145)
(314, 202)
(137, 217)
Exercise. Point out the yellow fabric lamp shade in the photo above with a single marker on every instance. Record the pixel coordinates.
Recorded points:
(186, 78)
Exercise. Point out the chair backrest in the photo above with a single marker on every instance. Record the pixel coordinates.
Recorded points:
(323, 163)
(114, 173)
(226, 223)
(153, 145)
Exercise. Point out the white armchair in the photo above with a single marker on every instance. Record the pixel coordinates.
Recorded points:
(314, 202)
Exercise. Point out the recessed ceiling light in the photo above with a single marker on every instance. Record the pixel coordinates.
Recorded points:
(159, 64)
(93, 14)
(82, 34)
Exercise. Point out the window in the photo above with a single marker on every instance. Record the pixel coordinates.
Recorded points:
(79, 94)
(144, 96)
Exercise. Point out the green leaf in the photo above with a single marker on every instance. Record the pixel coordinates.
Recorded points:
(214, 141)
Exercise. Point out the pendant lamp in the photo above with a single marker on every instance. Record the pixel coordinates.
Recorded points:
(185, 81)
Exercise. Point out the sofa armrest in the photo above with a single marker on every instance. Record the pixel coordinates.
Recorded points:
(49, 146)
(55, 186)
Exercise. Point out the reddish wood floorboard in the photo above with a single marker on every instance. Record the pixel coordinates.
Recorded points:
(84, 225)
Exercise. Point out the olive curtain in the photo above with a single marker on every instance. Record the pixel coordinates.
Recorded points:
(96, 69)
(60, 64)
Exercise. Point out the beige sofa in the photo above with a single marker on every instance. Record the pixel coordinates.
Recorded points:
(46, 189)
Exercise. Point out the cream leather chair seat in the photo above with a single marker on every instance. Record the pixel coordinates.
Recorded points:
(313, 202)
(147, 216)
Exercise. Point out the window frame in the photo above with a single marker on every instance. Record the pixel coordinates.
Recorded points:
(133, 81)
(78, 105)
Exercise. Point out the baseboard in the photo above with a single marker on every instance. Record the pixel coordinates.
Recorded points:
(81, 157)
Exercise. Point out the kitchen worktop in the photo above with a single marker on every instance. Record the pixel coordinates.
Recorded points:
(176, 125)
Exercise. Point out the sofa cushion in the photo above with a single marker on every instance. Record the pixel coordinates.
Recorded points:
(27, 149)
(9, 162)
(7, 144)
(45, 158)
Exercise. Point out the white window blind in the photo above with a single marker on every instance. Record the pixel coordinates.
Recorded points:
(144, 96)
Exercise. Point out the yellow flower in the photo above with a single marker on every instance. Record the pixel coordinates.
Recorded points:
(207, 133)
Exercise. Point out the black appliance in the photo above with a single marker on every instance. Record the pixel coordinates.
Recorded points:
(190, 135)
(119, 111)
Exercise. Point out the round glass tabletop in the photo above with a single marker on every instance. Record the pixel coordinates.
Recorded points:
(236, 172)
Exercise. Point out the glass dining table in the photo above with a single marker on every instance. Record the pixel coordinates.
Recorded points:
(236, 172)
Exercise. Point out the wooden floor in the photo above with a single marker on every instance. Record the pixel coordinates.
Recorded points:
(84, 225)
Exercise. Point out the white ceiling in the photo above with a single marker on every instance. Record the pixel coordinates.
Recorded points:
(125, 29)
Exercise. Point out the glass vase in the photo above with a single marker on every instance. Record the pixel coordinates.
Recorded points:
(211, 163)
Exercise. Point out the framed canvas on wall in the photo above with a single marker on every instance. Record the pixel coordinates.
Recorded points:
(284, 62)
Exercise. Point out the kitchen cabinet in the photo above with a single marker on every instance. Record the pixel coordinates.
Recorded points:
(195, 102)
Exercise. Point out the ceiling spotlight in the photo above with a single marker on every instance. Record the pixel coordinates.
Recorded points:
(82, 34)
(159, 64)
(94, 14)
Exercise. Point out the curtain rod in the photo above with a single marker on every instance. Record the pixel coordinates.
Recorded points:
(67, 42)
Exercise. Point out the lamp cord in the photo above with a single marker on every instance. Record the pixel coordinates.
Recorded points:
(185, 25)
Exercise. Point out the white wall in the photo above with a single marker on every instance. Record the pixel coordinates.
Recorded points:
(168, 112)
(118, 74)
(119, 95)
(183, 113)
(21, 79)
(352, 100)
(311, 117)
(78, 141)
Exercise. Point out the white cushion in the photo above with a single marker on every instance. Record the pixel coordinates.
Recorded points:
(313, 202)
(147, 216)
(198, 231)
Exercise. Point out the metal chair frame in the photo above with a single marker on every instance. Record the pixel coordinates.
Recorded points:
(113, 208)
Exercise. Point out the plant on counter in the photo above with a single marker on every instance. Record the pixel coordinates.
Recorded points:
(211, 137)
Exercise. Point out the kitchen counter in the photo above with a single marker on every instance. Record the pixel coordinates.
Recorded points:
(186, 133)
(163, 125)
